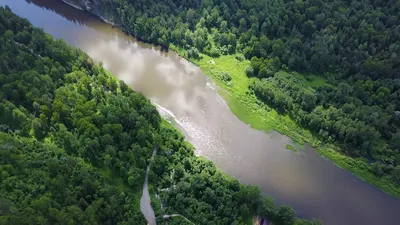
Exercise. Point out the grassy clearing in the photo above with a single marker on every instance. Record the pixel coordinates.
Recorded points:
(260, 116)
(245, 105)
(311, 79)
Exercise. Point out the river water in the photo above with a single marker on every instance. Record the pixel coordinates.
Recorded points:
(312, 185)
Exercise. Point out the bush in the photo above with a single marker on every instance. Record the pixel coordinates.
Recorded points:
(286, 215)
(239, 57)
(224, 50)
(193, 53)
(396, 175)
(214, 52)
(263, 73)
(225, 77)
(376, 168)
(250, 71)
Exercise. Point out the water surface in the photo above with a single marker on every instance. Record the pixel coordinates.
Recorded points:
(313, 186)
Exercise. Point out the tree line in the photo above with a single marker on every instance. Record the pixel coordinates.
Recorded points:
(353, 45)
(75, 143)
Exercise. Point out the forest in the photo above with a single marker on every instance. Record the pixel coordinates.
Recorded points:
(75, 143)
(353, 47)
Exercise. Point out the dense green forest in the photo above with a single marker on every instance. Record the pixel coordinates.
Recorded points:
(354, 46)
(75, 143)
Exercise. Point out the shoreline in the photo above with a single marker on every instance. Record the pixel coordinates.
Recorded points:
(246, 108)
(73, 5)
(93, 13)
(299, 135)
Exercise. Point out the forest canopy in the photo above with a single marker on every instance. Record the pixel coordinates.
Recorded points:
(75, 143)
(353, 48)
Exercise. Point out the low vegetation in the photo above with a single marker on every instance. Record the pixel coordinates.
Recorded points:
(271, 49)
(75, 143)
(292, 148)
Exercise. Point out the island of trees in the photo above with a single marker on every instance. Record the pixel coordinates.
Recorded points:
(75, 142)
(351, 47)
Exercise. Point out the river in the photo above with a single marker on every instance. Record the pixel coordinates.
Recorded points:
(312, 185)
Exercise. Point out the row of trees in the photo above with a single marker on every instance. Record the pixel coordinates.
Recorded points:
(353, 44)
(337, 116)
(74, 141)
(306, 35)
(193, 187)
(75, 144)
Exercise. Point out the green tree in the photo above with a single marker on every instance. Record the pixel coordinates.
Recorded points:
(286, 215)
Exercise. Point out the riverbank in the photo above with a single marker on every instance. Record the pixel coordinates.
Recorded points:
(242, 102)
(309, 179)
(359, 167)
(258, 115)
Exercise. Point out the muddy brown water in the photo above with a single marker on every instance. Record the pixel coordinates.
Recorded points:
(312, 185)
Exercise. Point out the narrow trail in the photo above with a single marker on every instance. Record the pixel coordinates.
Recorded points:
(177, 215)
(166, 216)
(145, 201)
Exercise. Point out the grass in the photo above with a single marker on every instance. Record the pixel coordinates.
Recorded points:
(311, 80)
(292, 148)
(156, 204)
(260, 116)
(361, 168)
(245, 105)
